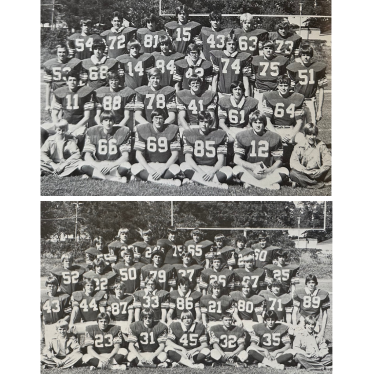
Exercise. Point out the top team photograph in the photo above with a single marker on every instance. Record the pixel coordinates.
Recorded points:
(163, 105)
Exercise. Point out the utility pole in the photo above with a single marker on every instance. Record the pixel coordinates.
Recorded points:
(76, 219)
(298, 232)
(301, 10)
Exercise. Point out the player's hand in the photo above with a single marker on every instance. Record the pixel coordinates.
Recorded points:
(208, 176)
(239, 323)
(161, 170)
(259, 168)
(319, 116)
(105, 362)
(48, 108)
(317, 174)
(266, 353)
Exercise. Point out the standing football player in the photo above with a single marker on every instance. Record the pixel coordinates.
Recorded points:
(190, 269)
(173, 247)
(195, 246)
(103, 279)
(148, 36)
(264, 251)
(240, 246)
(143, 250)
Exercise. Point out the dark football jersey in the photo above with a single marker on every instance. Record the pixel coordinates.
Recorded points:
(55, 71)
(130, 275)
(255, 148)
(88, 305)
(241, 254)
(135, 69)
(116, 41)
(280, 304)
(188, 339)
(149, 39)
(264, 256)
(81, 45)
(148, 338)
(288, 274)
(107, 146)
(192, 272)
(230, 68)
(185, 68)
(229, 256)
(70, 280)
(74, 103)
(225, 277)
(179, 303)
(236, 115)
(157, 300)
(103, 341)
(214, 308)
(53, 307)
(192, 104)
(307, 79)
(142, 251)
(166, 65)
(95, 74)
(182, 35)
(119, 308)
(229, 339)
(212, 40)
(256, 277)
(310, 304)
(248, 307)
(283, 111)
(265, 72)
(249, 42)
(197, 251)
(173, 255)
(271, 339)
(165, 275)
(157, 146)
(103, 281)
(288, 46)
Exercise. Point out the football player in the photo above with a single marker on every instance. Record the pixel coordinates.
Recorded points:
(117, 37)
(103, 280)
(192, 64)
(205, 150)
(195, 246)
(269, 343)
(116, 247)
(148, 36)
(183, 32)
(230, 65)
(184, 299)
(103, 342)
(187, 342)
(147, 341)
(91, 254)
(157, 146)
(154, 96)
(240, 246)
(106, 150)
(190, 269)
(173, 248)
(258, 155)
(143, 250)
(215, 249)
(264, 251)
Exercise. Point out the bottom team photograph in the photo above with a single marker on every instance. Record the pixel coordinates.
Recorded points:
(186, 285)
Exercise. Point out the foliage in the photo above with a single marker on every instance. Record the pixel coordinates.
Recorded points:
(50, 250)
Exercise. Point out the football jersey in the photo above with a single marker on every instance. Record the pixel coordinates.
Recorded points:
(173, 255)
(248, 307)
(95, 74)
(147, 100)
(229, 339)
(69, 280)
(281, 304)
(197, 251)
(142, 252)
(241, 254)
(135, 69)
(214, 308)
(149, 39)
(103, 341)
(188, 339)
(230, 68)
(192, 104)
(166, 64)
(283, 111)
(88, 305)
(164, 275)
(287, 274)
(179, 303)
(73, 103)
(116, 102)
(55, 71)
(307, 79)
(254, 148)
(249, 42)
(271, 339)
(109, 146)
(264, 256)
(119, 308)
(53, 307)
(103, 281)
(130, 275)
(229, 256)
(81, 45)
(156, 300)
(286, 46)
(157, 146)
(148, 339)
(225, 277)
(265, 72)
(310, 304)
(185, 68)
(236, 115)
(116, 41)
(256, 277)
(182, 35)
(192, 272)
(212, 40)
(205, 148)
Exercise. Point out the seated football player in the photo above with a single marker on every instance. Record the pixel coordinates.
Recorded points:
(154, 96)
(192, 101)
(151, 297)
(187, 342)
(184, 299)
(311, 350)
(227, 340)
(193, 64)
(69, 276)
(249, 306)
(310, 161)
(157, 146)
(54, 306)
(205, 149)
(63, 350)
(264, 251)
(195, 246)
(149, 35)
(143, 250)
(311, 301)
(103, 341)
(106, 150)
(230, 64)
(240, 246)
(173, 247)
(183, 32)
(258, 155)
(190, 269)
(270, 342)
(147, 339)
(103, 279)
(117, 37)
(60, 155)
(250, 38)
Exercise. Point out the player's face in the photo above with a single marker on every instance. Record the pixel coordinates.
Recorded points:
(246, 290)
(182, 18)
(219, 243)
(147, 237)
(151, 25)
(195, 87)
(240, 244)
(52, 288)
(281, 260)
(100, 268)
(72, 83)
(311, 138)
(128, 258)
(103, 323)
(237, 92)
(247, 25)
(187, 321)
(216, 24)
(196, 238)
(184, 288)
(99, 245)
(263, 243)
(171, 237)
(116, 22)
(186, 260)
(60, 131)
(119, 291)
(154, 81)
(67, 263)
(86, 28)
(216, 291)
(134, 51)
(268, 52)
(284, 88)
(89, 288)
(158, 123)
(249, 262)
(157, 260)
(276, 290)
(305, 58)
(98, 52)
(62, 331)
(108, 124)
(148, 320)
(205, 126)
(258, 126)
(310, 327)
(89, 258)
(231, 46)
(270, 323)
(164, 47)
(311, 285)
(283, 31)
(61, 54)
(123, 236)
(194, 56)
(150, 286)
(114, 83)
(227, 322)
(216, 264)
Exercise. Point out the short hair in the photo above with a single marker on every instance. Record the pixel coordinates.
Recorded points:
(226, 315)
(72, 73)
(181, 9)
(246, 283)
(150, 18)
(280, 253)
(194, 78)
(62, 323)
(214, 284)
(204, 115)
(125, 229)
(85, 21)
(188, 314)
(154, 71)
(245, 17)
(133, 43)
(127, 251)
(88, 281)
(241, 238)
(306, 49)
(153, 280)
(107, 114)
(270, 44)
(98, 262)
(103, 316)
(116, 14)
(183, 281)
(97, 239)
(310, 320)
(275, 283)
(51, 280)
(62, 46)
(62, 123)
(219, 237)
(284, 79)
(311, 277)
(270, 314)
(119, 284)
(186, 254)
(193, 48)
(158, 112)
(197, 231)
(283, 25)
(68, 255)
(217, 257)
(231, 37)
(165, 39)
(112, 75)
(158, 253)
(215, 16)
(147, 312)
(236, 84)
(310, 129)
(98, 43)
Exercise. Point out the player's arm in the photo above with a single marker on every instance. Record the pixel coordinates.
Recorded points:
(299, 123)
(323, 323)
(215, 342)
(190, 161)
(48, 90)
(182, 114)
(161, 170)
(238, 160)
(224, 127)
(160, 349)
(86, 116)
(139, 118)
(247, 86)
(126, 118)
(321, 98)
(286, 340)
(171, 107)
(204, 318)
(198, 313)
(142, 161)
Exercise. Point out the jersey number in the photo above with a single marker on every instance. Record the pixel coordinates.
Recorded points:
(228, 341)
(148, 338)
(127, 274)
(189, 339)
(183, 34)
(69, 278)
(96, 73)
(271, 339)
(245, 306)
(309, 301)
(151, 302)
(84, 306)
(52, 306)
(148, 40)
(262, 150)
(72, 102)
(138, 68)
(112, 103)
(243, 45)
(121, 42)
(206, 148)
(193, 106)
(160, 275)
(169, 66)
(157, 145)
(274, 68)
(160, 101)
(279, 110)
(236, 116)
(57, 72)
(184, 303)
(235, 66)
(103, 340)
(214, 306)
(216, 44)
(274, 302)
(107, 147)
(306, 76)
(116, 308)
